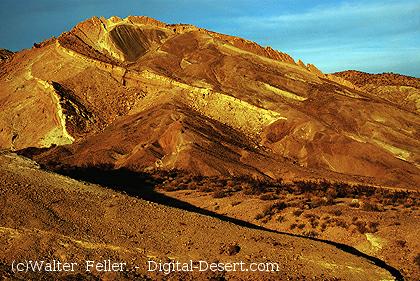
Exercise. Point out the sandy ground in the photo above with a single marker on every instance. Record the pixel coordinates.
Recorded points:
(48, 217)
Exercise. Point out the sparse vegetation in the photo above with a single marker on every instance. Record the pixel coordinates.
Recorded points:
(281, 219)
(301, 225)
(417, 260)
(311, 233)
(373, 227)
(295, 204)
(361, 226)
(307, 194)
(230, 250)
(336, 212)
(272, 210)
(220, 194)
(354, 203)
(297, 212)
(235, 203)
(269, 196)
(371, 207)
(341, 223)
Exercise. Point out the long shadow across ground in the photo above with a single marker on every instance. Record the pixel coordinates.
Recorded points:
(142, 185)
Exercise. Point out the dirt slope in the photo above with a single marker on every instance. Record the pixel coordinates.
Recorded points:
(47, 216)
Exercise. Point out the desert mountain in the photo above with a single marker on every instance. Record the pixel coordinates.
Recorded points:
(141, 94)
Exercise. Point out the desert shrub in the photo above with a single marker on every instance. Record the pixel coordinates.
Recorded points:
(306, 187)
(408, 203)
(340, 186)
(230, 183)
(268, 197)
(371, 207)
(235, 203)
(373, 227)
(265, 220)
(276, 207)
(401, 243)
(293, 226)
(272, 209)
(269, 211)
(249, 189)
(220, 194)
(323, 226)
(309, 216)
(297, 212)
(330, 221)
(301, 226)
(335, 212)
(314, 222)
(331, 193)
(192, 185)
(259, 216)
(354, 203)
(341, 223)
(417, 260)
(230, 250)
(204, 188)
(281, 219)
(311, 233)
(280, 205)
(169, 187)
(317, 202)
(361, 226)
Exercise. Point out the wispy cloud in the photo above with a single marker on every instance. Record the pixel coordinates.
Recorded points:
(343, 31)
(345, 22)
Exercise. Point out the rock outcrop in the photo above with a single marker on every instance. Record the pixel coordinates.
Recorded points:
(5, 54)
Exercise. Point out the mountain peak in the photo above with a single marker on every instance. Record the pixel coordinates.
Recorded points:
(101, 34)
(142, 94)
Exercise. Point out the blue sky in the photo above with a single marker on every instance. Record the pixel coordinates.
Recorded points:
(373, 36)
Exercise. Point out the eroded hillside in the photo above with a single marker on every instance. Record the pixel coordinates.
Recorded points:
(209, 103)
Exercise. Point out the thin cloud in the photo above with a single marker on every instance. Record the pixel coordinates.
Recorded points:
(330, 36)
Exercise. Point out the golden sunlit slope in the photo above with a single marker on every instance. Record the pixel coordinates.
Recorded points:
(139, 93)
